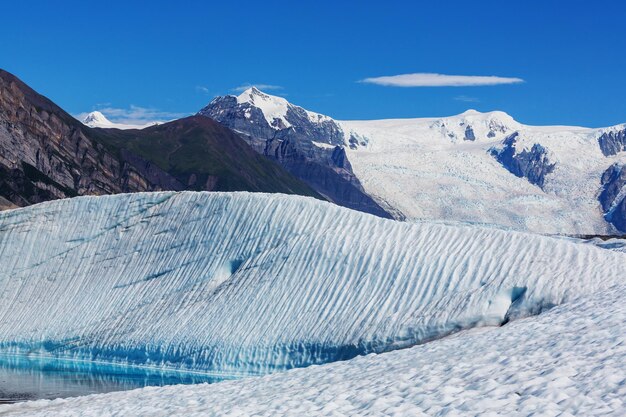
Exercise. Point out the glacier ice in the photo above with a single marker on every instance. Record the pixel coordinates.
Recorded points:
(240, 283)
(570, 361)
(543, 179)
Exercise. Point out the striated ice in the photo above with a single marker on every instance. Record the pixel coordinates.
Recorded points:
(240, 283)
(568, 361)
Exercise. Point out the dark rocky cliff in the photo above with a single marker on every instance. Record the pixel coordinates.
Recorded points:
(613, 196)
(46, 154)
(532, 164)
(611, 143)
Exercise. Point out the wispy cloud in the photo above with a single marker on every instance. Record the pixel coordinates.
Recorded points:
(202, 89)
(135, 115)
(266, 87)
(467, 99)
(423, 79)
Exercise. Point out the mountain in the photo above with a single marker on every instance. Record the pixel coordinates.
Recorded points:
(251, 283)
(202, 155)
(307, 144)
(473, 168)
(97, 119)
(47, 154)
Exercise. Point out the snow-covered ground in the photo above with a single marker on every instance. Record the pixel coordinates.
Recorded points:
(442, 168)
(240, 284)
(569, 361)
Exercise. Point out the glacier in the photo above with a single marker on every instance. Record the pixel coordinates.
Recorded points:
(569, 361)
(245, 284)
(427, 168)
(481, 168)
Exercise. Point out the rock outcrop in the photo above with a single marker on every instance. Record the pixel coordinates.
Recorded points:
(613, 142)
(532, 164)
(613, 196)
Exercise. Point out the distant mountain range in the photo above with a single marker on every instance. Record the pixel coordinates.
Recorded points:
(474, 167)
(47, 154)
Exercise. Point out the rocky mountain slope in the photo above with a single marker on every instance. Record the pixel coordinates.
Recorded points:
(46, 154)
(307, 144)
(474, 167)
(202, 155)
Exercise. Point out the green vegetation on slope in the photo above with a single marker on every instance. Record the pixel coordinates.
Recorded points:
(204, 155)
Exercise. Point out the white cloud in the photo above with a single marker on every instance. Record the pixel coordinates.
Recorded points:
(423, 79)
(135, 115)
(467, 99)
(244, 87)
(202, 89)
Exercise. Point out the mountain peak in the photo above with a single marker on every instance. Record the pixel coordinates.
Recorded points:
(273, 108)
(253, 95)
(487, 114)
(96, 119)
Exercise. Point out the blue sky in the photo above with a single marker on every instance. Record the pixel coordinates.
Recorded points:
(170, 58)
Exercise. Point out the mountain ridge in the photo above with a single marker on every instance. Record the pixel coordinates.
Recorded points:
(45, 153)
(473, 167)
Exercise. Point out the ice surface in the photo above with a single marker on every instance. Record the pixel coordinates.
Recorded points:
(445, 168)
(428, 169)
(239, 283)
(569, 361)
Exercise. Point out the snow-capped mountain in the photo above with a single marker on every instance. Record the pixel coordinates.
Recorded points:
(307, 144)
(474, 167)
(248, 283)
(97, 119)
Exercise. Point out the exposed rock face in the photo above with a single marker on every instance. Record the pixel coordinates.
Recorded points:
(6, 204)
(612, 143)
(309, 145)
(531, 164)
(613, 196)
(46, 154)
(151, 172)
